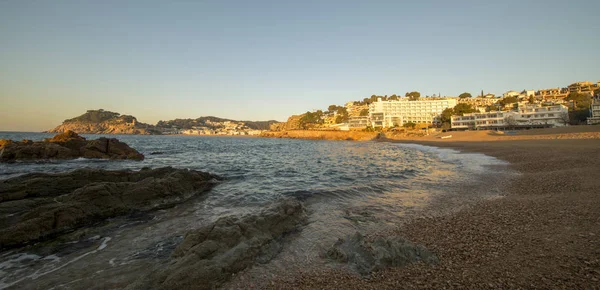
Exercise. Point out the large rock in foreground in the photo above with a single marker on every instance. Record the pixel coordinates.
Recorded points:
(67, 145)
(212, 254)
(38, 206)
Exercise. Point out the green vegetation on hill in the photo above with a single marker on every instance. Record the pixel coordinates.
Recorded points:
(98, 116)
(465, 95)
(581, 104)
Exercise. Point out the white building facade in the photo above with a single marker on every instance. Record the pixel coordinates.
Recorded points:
(595, 112)
(387, 114)
(525, 117)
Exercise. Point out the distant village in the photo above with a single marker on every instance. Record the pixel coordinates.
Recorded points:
(576, 104)
(216, 127)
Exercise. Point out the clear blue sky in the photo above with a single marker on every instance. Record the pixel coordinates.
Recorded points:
(263, 60)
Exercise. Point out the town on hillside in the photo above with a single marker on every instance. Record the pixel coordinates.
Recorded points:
(576, 104)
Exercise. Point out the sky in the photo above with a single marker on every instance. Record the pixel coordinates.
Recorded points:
(262, 60)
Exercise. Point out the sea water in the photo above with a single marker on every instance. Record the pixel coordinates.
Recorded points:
(346, 186)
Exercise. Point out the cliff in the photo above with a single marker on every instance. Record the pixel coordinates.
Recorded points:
(105, 122)
(293, 123)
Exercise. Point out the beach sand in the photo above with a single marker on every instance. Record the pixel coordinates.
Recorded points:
(545, 232)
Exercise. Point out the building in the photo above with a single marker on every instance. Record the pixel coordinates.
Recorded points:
(389, 114)
(510, 94)
(478, 102)
(583, 87)
(526, 116)
(553, 93)
(358, 122)
(595, 112)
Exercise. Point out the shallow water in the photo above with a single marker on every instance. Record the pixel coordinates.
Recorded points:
(346, 187)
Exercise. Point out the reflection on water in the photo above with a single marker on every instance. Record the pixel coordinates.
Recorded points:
(346, 187)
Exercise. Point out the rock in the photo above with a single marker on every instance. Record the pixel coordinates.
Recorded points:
(4, 142)
(37, 206)
(210, 255)
(67, 145)
(368, 255)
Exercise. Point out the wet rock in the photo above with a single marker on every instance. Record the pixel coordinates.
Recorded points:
(67, 145)
(210, 255)
(39, 206)
(366, 255)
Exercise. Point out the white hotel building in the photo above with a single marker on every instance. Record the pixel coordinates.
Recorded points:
(526, 116)
(388, 114)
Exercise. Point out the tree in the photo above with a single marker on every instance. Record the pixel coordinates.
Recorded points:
(597, 92)
(581, 101)
(531, 99)
(311, 118)
(364, 112)
(413, 96)
(510, 121)
(394, 98)
(342, 115)
(332, 108)
(581, 105)
(465, 95)
(462, 109)
(564, 118)
(446, 116)
(508, 100)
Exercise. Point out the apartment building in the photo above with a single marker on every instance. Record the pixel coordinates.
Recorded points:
(553, 93)
(595, 112)
(583, 87)
(510, 94)
(526, 116)
(388, 114)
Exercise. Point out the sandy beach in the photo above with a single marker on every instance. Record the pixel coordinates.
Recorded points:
(544, 233)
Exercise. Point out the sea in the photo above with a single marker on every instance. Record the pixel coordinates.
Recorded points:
(346, 187)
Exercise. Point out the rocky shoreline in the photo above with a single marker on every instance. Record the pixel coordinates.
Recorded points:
(39, 206)
(322, 135)
(66, 145)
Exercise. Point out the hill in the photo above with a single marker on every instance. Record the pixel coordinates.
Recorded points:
(212, 122)
(105, 122)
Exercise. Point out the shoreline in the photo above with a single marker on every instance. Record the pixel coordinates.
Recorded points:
(544, 233)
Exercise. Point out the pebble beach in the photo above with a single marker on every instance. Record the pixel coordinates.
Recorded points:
(544, 233)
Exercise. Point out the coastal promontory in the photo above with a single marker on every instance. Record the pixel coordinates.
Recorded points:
(105, 122)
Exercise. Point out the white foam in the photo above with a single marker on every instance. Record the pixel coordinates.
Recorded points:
(53, 258)
(471, 162)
